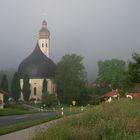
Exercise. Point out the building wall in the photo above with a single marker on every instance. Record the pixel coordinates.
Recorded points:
(37, 83)
(1, 98)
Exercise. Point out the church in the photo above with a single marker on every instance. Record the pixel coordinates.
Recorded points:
(38, 66)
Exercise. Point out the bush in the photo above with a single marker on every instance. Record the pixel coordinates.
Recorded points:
(50, 100)
(123, 93)
(94, 100)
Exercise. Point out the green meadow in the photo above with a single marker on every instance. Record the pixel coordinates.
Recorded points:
(118, 120)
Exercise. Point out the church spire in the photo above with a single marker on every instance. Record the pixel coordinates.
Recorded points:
(44, 24)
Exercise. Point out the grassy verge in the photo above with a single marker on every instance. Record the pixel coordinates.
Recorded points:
(118, 120)
(19, 126)
(12, 128)
(18, 109)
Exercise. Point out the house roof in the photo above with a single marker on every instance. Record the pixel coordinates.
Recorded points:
(135, 95)
(3, 92)
(111, 93)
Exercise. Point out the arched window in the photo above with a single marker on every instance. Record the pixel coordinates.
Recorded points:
(42, 45)
(34, 91)
(46, 45)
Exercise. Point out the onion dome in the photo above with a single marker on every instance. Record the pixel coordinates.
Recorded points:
(37, 65)
(44, 33)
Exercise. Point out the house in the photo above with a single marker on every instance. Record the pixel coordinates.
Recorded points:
(110, 95)
(134, 95)
(2, 94)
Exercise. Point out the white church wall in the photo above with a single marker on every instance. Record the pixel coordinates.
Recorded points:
(37, 83)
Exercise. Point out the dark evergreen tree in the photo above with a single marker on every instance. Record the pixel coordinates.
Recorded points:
(133, 73)
(15, 87)
(26, 88)
(1, 74)
(9, 73)
(4, 87)
(44, 87)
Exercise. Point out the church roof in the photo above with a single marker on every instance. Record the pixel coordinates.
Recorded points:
(37, 65)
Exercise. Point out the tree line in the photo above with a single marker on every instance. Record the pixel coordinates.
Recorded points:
(117, 74)
(72, 84)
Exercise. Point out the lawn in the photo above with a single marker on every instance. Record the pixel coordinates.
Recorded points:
(17, 109)
(19, 126)
(118, 120)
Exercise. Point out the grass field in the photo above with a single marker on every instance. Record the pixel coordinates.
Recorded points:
(118, 120)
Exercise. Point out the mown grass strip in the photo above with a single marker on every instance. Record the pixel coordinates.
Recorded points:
(11, 112)
(23, 125)
(17, 109)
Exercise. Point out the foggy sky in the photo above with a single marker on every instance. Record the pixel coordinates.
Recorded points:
(94, 29)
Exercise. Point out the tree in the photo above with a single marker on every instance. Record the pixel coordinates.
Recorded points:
(44, 87)
(133, 73)
(15, 87)
(26, 88)
(4, 86)
(70, 78)
(88, 96)
(9, 73)
(111, 74)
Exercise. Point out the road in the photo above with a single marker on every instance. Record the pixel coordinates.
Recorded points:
(10, 120)
(29, 133)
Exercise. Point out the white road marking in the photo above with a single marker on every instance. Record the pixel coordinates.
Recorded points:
(21, 117)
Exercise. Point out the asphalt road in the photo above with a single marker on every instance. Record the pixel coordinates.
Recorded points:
(10, 120)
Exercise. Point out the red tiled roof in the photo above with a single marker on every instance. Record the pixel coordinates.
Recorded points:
(111, 93)
(135, 95)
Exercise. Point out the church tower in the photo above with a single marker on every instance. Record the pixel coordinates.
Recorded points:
(44, 39)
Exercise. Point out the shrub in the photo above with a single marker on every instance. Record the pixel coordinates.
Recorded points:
(50, 100)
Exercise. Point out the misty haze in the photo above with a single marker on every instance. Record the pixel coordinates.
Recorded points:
(96, 30)
(70, 69)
